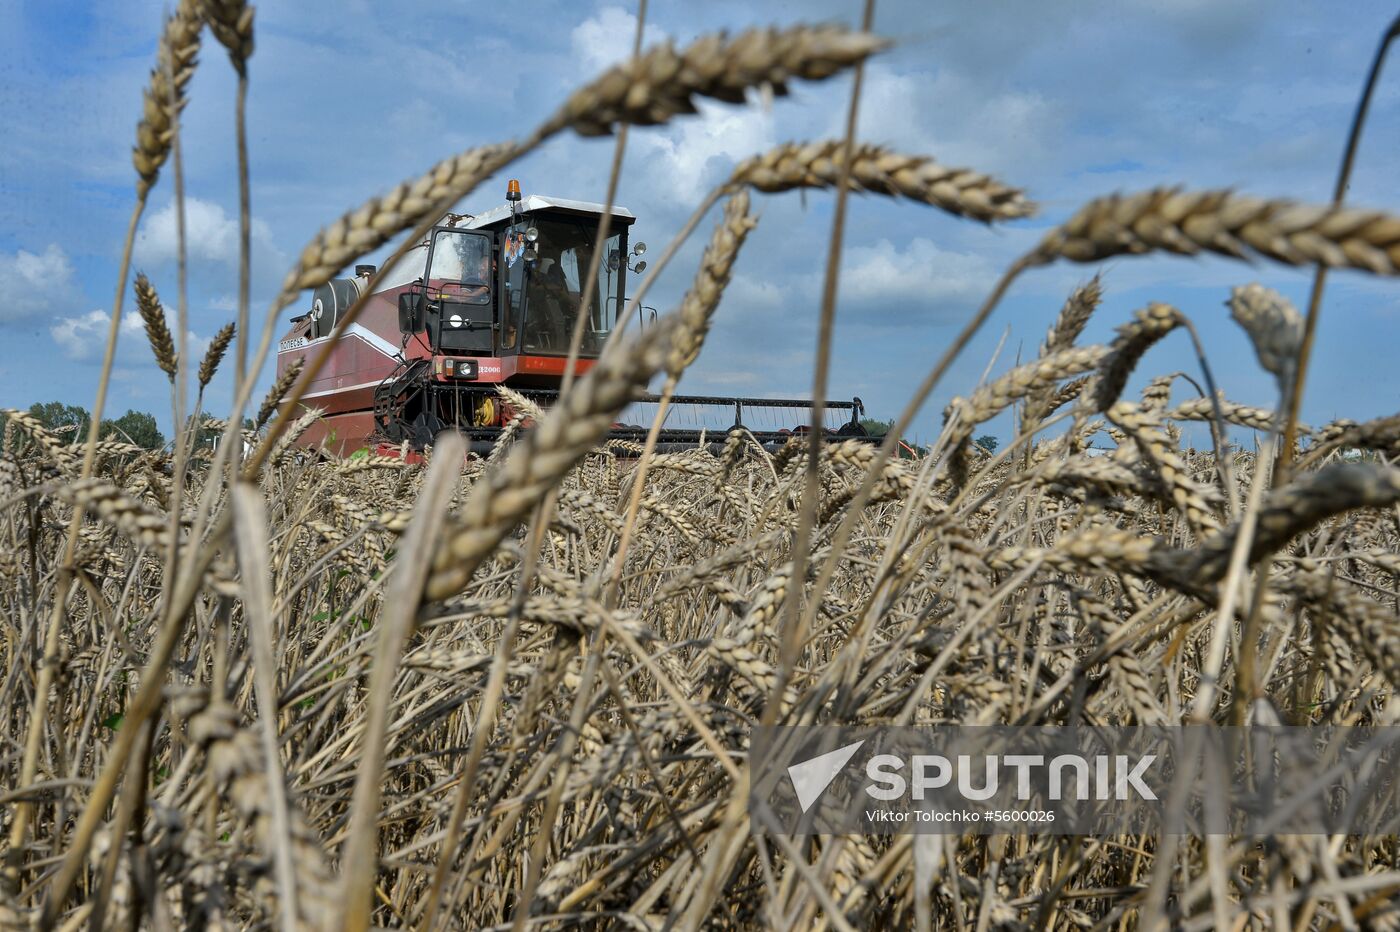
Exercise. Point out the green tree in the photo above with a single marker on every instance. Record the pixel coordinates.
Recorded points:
(207, 435)
(875, 427)
(138, 427)
(988, 443)
(70, 421)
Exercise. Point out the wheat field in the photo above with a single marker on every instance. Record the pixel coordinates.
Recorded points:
(273, 690)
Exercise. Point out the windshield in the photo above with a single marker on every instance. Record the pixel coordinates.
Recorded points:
(461, 265)
(553, 286)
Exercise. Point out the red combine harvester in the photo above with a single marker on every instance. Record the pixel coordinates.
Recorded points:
(491, 300)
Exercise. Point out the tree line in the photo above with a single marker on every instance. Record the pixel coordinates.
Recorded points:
(878, 428)
(72, 423)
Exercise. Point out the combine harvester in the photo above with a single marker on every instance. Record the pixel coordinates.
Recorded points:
(492, 300)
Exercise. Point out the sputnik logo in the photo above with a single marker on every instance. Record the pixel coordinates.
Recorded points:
(811, 777)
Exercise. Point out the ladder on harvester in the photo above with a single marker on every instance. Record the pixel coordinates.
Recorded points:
(393, 396)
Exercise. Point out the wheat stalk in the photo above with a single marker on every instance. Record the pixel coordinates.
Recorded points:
(698, 306)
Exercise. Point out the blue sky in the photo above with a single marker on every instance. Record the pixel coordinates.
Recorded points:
(1068, 100)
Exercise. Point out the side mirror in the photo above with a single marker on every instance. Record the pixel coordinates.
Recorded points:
(411, 312)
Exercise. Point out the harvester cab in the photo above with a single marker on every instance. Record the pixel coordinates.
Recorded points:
(486, 300)
(510, 282)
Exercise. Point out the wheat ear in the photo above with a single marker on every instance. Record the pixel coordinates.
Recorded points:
(1290, 511)
(1021, 382)
(214, 355)
(648, 89)
(1191, 222)
(1074, 316)
(1204, 409)
(176, 57)
(662, 83)
(157, 332)
(1380, 434)
(1135, 338)
(692, 324)
(1274, 326)
(371, 225)
(959, 191)
(231, 22)
(279, 389)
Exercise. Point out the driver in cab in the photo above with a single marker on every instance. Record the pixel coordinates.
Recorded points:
(463, 276)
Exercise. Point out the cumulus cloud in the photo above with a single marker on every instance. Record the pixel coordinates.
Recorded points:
(904, 284)
(675, 164)
(958, 119)
(84, 338)
(752, 294)
(211, 234)
(31, 284)
(683, 161)
(606, 38)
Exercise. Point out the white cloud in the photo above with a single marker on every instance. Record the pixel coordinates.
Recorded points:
(84, 338)
(750, 294)
(607, 38)
(671, 168)
(957, 119)
(922, 274)
(32, 284)
(211, 234)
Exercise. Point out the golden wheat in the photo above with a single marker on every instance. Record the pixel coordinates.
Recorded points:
(221, 687)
